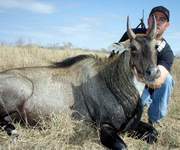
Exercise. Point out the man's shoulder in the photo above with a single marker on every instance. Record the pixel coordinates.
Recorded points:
(139, 30)
(167, 44)
(165, 55)
(167, 47)
(135, 30)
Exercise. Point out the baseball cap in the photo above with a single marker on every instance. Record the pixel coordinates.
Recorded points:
(162, 9)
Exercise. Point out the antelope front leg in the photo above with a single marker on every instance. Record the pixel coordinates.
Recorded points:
(8, 127)
(110, 139)
(145, 132)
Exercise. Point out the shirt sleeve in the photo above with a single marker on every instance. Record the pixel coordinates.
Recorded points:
(166, 57)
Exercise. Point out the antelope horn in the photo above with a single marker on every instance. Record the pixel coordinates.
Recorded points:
(130, 33)
(153, 31)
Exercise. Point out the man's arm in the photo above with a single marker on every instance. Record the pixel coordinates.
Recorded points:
(165, 61)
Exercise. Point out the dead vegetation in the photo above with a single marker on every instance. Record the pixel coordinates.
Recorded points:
(61, 132)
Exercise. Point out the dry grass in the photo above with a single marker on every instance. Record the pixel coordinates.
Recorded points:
(12, 57)
(63, 133)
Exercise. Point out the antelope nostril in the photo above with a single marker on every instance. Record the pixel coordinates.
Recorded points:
(148, 72)
(151, 71)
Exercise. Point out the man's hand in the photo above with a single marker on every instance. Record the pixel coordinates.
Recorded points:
(154, 85)
(159, 81)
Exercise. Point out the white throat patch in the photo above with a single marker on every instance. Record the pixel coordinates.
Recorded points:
(139, 85)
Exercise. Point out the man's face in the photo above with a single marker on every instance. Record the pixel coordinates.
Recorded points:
(162, 23)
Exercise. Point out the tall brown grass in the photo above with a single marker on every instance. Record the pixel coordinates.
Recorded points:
(25, 56)
(61, 132)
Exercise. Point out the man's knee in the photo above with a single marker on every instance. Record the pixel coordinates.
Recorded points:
(146, 98)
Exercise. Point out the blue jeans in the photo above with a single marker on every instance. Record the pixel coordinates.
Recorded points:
(158, 101)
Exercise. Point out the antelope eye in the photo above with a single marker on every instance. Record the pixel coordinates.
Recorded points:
(133, 49)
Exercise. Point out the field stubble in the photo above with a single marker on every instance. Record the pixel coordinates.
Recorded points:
(61, 132)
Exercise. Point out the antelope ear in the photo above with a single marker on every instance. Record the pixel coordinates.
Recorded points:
(130, 33)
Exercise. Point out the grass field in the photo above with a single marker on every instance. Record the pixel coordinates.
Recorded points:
(63, 133)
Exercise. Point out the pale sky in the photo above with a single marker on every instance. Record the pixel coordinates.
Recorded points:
(85, 23)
